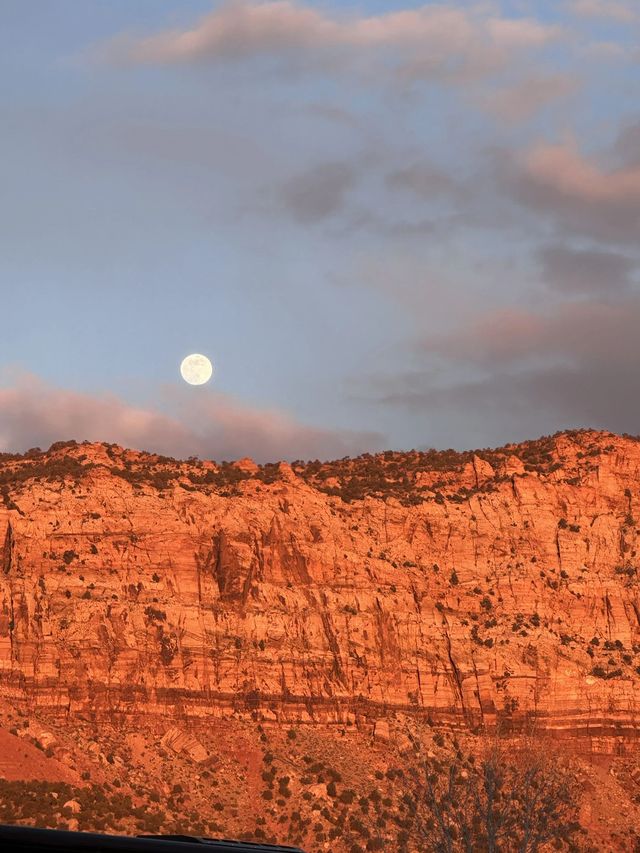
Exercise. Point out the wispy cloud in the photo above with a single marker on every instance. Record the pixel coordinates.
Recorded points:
(319, 192)
(590, 272)
(424, 180)
(435, 40)
(522, 98)
(611, 9)
(581, 331)
(209, 425)
(514, 372)
(579, 193)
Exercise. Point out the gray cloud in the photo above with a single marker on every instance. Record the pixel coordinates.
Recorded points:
(523, 98)
(627, 147)
(582, 332)
(510, 406)
(615, 10)
(576, 192)
(318, 193)
(516, 373)
(209, 425)
(424, 180)
(586, 271)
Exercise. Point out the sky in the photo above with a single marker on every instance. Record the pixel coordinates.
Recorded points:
(388, 224)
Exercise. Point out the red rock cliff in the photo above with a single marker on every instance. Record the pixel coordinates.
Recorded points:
(473, 588)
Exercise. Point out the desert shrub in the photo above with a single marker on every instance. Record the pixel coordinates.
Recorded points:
(629, 571)
(154, 614)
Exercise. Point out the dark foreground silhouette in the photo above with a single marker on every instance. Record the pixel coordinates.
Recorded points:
(33, 840)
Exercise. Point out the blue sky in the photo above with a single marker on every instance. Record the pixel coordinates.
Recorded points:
(388, 225)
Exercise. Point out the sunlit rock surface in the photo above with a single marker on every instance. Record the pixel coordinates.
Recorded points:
(482, 588)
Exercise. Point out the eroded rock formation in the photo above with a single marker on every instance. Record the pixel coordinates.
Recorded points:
(470, 588)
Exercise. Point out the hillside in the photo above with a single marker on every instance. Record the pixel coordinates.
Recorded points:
(465, 591)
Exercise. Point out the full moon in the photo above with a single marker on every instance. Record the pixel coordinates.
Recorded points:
(196, 369)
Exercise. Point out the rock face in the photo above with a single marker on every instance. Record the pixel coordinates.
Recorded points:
(474, 589)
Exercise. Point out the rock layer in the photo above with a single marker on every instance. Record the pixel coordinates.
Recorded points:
(487, 589)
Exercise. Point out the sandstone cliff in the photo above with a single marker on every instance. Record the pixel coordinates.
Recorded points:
(479, 588)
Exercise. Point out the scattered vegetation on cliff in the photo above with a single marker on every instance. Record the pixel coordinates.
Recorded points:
(410, 477)
(400, 474)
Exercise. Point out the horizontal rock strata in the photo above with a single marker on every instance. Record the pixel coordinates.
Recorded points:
(494, 588)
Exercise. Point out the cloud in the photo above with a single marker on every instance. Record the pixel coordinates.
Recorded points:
(558, 180)
(586, 271)
(581, 332)
(575, 177)
(211, 425)
(611, 9)
(511, 406)
(520, 100)
(627, 146)
(327, 190)
(319, 192)
(514, 373)
(439, 40)
(423, 180)
(521, 33)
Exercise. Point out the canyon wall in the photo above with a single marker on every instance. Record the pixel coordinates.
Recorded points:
(487, 589)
